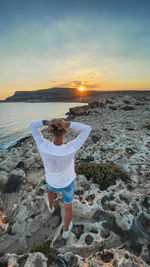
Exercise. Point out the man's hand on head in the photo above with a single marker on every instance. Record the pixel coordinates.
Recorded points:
(48, 123)
(63, 124)
(60, 123)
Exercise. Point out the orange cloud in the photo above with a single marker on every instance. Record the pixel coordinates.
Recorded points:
(85, 84)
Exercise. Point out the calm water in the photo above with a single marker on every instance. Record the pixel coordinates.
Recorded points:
(15, 118)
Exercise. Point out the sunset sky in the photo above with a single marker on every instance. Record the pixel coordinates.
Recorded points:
(96, 44)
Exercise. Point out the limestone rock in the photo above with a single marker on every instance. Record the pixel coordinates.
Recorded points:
(32, 215)
(111, 226)
(3, 177)
(9, 163)
(111, 258)
(18, 172)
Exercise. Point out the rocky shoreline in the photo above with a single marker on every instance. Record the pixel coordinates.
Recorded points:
(111, 226)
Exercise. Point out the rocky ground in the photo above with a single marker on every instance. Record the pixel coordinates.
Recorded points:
(111, 227)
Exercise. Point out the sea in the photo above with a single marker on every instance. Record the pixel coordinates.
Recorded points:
(15, 118)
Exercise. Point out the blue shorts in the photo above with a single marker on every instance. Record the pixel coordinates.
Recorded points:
(67, 191)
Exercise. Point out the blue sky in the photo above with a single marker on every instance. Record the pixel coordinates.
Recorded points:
(100, 45)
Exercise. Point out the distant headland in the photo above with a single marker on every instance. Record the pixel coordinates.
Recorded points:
(61, 94)
(56, 94)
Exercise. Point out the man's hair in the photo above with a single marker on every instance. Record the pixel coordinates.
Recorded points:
(55, 130)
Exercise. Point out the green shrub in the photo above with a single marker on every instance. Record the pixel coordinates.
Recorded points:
(113, 107)
(128, 108)
(139, 104)
(102, 174)
(126, 101)
(130, 129)
(45, 249)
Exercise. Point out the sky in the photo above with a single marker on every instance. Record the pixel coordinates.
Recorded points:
(100, 45)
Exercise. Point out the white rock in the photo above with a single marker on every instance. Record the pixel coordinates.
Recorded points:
(3, 177)
(18, 172)
(125, 222)
(34, 258)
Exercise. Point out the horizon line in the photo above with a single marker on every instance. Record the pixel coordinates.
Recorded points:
(117, 90)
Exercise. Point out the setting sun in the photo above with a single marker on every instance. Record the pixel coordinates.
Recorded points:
(81, 89)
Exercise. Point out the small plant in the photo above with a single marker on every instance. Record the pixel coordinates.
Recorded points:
(113, 107)
(126, 101)
(126, 108)
(139, 104)
(130, 129)
(102, 174)
(45, 249)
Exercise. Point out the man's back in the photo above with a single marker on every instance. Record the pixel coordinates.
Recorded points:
(58, 160)
(58, 163)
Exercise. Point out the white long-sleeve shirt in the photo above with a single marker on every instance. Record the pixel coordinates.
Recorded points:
(59, 160)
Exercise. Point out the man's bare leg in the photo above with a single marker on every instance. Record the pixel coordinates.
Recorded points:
(67, 216)
(51, 196)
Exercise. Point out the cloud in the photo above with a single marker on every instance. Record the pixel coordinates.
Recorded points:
(53, 81)
(79, 83)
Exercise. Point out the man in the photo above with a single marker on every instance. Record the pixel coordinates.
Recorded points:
(58, 160)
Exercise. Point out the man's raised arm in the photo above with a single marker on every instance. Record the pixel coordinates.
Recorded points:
(37, 135)
(84, 131)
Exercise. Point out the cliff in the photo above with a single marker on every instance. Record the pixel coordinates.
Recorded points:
(52, 95)
(61, 94)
